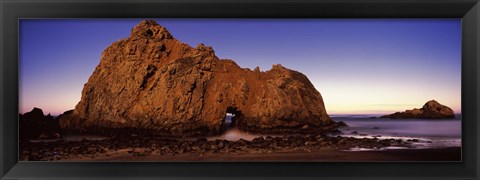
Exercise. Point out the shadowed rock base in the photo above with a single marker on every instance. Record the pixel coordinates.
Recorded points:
(35, 125)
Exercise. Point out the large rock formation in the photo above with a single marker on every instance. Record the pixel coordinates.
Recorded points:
(34, 125)
(150, 80)
(431, 110)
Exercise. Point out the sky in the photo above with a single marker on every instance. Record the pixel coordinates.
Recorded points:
(360, 66)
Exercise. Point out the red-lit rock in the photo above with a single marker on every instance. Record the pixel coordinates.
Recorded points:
(151, 80)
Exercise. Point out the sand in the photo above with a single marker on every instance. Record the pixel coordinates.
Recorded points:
(437, 154)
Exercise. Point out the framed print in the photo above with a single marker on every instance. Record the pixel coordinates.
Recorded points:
(240, 89)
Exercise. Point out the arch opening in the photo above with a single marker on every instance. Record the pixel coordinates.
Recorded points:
(232, 115)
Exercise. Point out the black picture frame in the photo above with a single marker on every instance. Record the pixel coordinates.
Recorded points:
(467, 10)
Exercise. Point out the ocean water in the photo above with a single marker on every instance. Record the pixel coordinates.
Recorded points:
(430, 133)
(234, 134)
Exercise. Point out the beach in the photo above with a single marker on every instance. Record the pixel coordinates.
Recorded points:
(434, 154)
(365, 138)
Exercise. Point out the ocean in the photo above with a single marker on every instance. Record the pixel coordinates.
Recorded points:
(430, 133)
(422, 133)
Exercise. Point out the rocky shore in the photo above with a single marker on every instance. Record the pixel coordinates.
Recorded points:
(137, 145)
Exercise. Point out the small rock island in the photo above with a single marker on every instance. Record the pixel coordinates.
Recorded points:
(431, 110)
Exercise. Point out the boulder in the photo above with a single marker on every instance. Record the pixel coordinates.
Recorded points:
(431, 110)
(150, 80)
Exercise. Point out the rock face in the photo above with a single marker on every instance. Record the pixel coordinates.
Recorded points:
(431, 110)
(150, 80)
(35, 124)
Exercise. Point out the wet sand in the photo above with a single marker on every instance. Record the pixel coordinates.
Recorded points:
(437, 154)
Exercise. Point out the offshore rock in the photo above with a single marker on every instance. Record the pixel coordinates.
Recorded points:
(431, 110)
(151, 80)
(35, 125)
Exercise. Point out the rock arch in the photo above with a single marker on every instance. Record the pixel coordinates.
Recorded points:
(184, 90)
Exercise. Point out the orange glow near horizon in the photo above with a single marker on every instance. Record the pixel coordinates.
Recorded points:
(382, 100)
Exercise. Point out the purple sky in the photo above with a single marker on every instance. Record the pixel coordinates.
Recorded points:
(358, 65)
